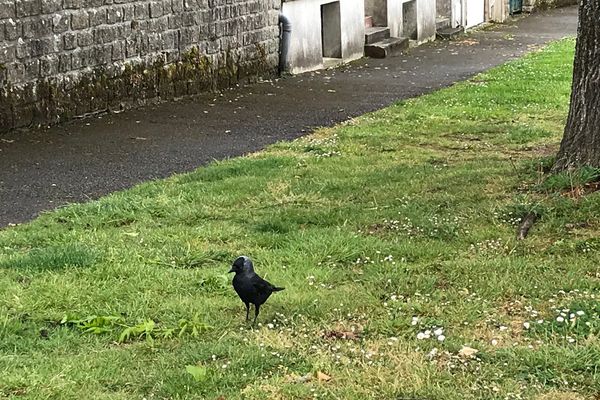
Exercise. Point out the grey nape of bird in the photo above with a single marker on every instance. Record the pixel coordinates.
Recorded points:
(249, 286)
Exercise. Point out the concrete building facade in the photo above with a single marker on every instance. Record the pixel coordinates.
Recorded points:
(324, 33)
(327, 32)
(412, 19)
(463, 13)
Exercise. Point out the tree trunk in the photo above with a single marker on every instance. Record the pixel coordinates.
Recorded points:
(580, 145)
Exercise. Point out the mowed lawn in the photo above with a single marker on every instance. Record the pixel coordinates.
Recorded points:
(394, 235)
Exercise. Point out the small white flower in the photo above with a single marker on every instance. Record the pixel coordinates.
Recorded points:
(441, 338)
(432, 353)
(526, 325)
(494, 342)
(559, 319)
(438, 331)
(503, 328)
(540, 321)
(580, 313)
(420, 336)
(270, 326)
(571, 340)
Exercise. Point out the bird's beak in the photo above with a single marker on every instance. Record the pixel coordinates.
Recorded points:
(231, 270)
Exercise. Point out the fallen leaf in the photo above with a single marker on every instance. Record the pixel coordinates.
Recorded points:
(467, 352)
(321, 377)
(197, 371)
(293, 378)
(335, 334)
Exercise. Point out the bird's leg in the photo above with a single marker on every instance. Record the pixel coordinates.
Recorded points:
(247, 311)
(256, 311)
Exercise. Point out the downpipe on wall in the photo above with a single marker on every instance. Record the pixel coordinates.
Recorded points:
(285, 32)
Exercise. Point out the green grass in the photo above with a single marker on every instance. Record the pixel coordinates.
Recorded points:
(396, 223)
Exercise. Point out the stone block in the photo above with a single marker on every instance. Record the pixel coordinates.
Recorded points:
(114, 15)
(8, 53)
(8, 9)
(27, 8)
(85, 38)
(64, 63)
(80, 20)
(119, 50)
(97, 17)
(49, 65)
(51, 6)
(128, 12)
(60, 23)
(142, 11)
(37, 27)
(69, 41)
(104, 34)
(72, 4)
(156, 9)
(32, 70)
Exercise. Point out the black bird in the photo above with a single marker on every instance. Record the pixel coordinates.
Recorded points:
(250, 287)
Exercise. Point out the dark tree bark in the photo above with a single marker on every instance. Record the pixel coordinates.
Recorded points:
(580, 145)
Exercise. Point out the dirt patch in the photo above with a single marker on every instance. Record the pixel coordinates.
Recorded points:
(555, 395)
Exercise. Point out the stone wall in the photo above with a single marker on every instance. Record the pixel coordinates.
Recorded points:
(65, 58)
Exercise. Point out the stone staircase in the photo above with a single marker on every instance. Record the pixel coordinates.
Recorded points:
(379, 44)
(444, 30)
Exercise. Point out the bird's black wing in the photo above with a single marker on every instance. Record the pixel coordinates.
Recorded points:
(261, 285)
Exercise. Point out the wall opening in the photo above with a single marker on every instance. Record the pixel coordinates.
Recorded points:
(409, 19)
(331, 30)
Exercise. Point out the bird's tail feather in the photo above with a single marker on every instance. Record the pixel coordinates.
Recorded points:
(278, 289)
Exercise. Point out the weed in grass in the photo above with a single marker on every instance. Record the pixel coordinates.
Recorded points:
(197, 371)
(147, 330)
(575, 183)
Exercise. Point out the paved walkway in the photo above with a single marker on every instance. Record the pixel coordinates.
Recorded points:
(85, 159)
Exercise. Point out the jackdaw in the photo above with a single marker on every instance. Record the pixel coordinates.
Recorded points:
(250, 287)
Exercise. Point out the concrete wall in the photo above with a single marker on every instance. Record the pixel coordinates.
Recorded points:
(473, 12)
(425, 19)
(498, 10)
(426, 15)
(395, 17)
(63, 58)
(306, 52)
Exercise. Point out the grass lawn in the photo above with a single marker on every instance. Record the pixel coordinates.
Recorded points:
(394, 235)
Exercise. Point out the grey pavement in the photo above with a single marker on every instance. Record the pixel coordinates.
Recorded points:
(41, 169)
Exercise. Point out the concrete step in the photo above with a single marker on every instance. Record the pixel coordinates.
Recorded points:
(376, 34)
(441, 23)
(386, 48)
(368, 21)
(450, 33)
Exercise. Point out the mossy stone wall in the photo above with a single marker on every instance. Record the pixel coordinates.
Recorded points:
(65, 58)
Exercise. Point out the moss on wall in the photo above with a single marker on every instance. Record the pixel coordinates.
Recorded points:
(54, 100)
